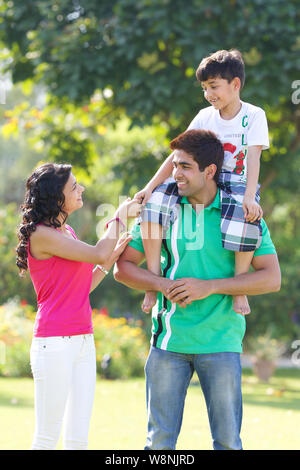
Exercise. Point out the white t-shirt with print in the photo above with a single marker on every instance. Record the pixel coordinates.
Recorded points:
(248, 127)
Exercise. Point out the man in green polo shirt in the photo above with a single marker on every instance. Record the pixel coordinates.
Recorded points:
(194, 325)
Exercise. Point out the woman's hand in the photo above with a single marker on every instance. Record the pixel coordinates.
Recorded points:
(118, 250)
(98, 275)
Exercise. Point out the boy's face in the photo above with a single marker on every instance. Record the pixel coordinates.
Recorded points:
(220, 93)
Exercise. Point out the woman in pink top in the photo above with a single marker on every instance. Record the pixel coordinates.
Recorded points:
(64, 270)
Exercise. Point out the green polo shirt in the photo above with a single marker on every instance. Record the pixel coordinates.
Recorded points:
(193, 248)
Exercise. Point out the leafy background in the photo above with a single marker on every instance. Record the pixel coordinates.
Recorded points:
(105, 86)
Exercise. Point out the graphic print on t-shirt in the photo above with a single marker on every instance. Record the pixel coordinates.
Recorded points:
(248, 127)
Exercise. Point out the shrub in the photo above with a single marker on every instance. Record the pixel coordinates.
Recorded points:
(121, 348)
(121, 345)
(16, 327)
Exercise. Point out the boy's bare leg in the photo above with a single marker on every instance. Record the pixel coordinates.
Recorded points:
(152, 238)
(242, 265)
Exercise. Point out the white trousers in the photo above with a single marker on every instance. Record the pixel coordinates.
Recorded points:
(64, 372)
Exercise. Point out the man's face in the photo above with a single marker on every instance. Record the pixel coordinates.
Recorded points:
(190, 180)
(219, 93)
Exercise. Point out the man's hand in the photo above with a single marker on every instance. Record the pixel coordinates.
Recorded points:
(184, 291)
(166, 286)
(252, 210)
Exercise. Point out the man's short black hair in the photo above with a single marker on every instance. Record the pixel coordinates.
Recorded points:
(203, 146)
(224, 64)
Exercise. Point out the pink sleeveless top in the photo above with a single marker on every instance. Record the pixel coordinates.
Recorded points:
(62, 287)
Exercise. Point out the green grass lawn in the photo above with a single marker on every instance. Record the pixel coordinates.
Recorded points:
(271, 414)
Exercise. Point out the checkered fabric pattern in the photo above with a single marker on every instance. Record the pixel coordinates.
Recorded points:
(237, 234)
(160, 207)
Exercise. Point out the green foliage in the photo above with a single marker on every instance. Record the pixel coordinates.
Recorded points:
(10, 282)
(101, 60)
(146, 52)
(127, 159)
(89, 71)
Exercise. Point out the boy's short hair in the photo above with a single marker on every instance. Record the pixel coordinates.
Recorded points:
(225, 64)
(203, 146)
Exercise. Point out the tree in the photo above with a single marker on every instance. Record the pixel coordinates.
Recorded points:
(142, 57)
(101, 61)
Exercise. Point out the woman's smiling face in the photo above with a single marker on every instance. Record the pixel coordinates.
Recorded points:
(73, 195)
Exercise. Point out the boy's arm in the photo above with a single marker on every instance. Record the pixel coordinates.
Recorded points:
(160, 176)
(252, 210)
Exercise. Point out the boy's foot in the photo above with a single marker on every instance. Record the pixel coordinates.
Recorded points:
(241, 305)
(149, 301)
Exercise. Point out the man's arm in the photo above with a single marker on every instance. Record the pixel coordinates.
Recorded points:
(265, 279)
(128, 272)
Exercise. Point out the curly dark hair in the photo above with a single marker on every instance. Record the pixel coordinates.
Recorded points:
(43, 203)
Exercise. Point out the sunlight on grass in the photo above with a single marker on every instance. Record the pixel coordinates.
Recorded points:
(271, 414)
